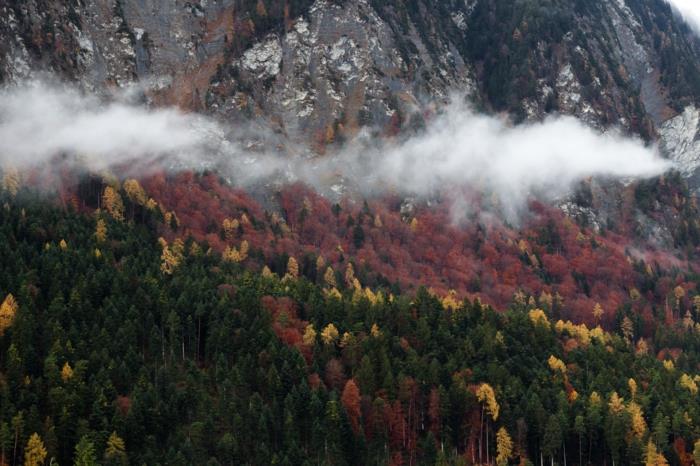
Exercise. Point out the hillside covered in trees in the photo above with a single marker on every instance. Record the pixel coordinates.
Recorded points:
(126, 341)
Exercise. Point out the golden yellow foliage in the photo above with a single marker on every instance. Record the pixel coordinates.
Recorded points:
(293, 268)
(172, 256)
(556, 364)
(638, 424)
(112, 203)
(598, 312)
(616, 403)
(598, 334)
(135, 192)
(66, 372)
(349, 275)
(595, 399)
(652, 457)
(115, 447)
(668, 365)
(230, 228)
(546, 300)
(329, 278)
(309, 337)
(689, 384)
(580, 332)
(8, 309)
(236, 255)
(266, 272)
(63, 245)
(627, 328)
(504, 447)
(329, 334)
(378, 221)
(450, 300)
(35, 452)
(414, 224)
(101, 231)
(632, 384)
(334, 293)
(98, 253)
(538, 317)
(375, 332)
(486, 394)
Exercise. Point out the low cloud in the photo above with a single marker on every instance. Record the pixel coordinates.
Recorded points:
(41, 122)
(458, 151)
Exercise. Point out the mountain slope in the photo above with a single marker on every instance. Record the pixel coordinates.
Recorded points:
(313, 69)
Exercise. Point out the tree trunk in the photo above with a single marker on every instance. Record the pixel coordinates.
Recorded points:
(481, 434)
(580, 453)
(488, 459)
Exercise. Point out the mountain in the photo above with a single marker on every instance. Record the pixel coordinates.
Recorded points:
(169, 316)
(324, 69)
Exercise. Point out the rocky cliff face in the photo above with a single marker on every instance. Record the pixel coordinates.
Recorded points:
(318, 72)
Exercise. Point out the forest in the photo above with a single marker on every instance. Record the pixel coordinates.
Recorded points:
(126, 340)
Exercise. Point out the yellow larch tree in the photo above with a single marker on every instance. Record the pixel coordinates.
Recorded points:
(116, 449)
(486, 395)
(172, 256)
(598, 312)
(292, 268)
(329, 334)
(689, 384)
(504, 447)
(66, 372)
(135, 192)
(632, 384)
(8, 310)
(35, 451)
(538, 317)
(329, 278)
(652, 457)
(350, 275)
(638, 425)
(556, 364)
(101, 231)
(112, 203)
(627, 327)
(230, 228)
(616, 403)
(236, 255)
(266, 272)
(309, 337)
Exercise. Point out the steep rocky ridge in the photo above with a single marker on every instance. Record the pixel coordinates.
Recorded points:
(318, 72)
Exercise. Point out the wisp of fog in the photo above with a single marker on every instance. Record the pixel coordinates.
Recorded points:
(458, 149)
